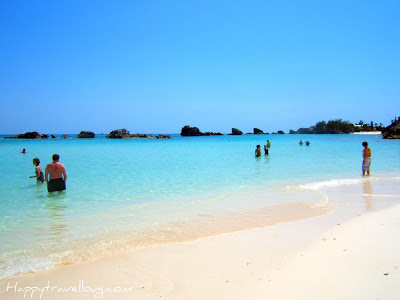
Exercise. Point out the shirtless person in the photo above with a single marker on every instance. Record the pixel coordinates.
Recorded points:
(258, 151)
(366, 158)
(57, 173)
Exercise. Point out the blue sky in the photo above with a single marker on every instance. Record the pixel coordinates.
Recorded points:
(155, 66)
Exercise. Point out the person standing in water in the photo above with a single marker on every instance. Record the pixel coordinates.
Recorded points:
(366, 158)
(265, 149)
(267, 146)
(258, 151)
(55, 175)
(38, 171)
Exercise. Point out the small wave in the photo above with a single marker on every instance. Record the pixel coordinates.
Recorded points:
(17, 266)
(327, 184)
(377, 195)
(318, 185)
(322, 202)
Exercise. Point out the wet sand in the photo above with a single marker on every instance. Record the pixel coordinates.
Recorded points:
(353, 252)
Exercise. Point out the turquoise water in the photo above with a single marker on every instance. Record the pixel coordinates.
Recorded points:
(120, 192)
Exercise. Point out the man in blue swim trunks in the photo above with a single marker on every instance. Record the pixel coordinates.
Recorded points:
(55, 175)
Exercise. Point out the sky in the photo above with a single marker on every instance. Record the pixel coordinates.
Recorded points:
(156, 66)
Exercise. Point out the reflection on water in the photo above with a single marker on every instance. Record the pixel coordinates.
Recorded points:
(55, 207)
(368, 194)
(40, 187)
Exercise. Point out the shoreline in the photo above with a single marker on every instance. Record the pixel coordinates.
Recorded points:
(369, 132)
(207, 224)
(256, 263)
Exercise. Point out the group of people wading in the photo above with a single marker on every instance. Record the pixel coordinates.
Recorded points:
(366, 154)
(55, 174)
(266, 149)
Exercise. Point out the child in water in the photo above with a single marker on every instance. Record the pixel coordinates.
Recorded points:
(366, 158)
(258, 151)
(38, 171)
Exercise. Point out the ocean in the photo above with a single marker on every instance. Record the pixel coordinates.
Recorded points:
(127, 194)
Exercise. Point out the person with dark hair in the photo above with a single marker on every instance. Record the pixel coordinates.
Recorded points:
(268, 147)
(265, 149)
(24, 151)
(55, 175)
(258, 151)
(366, 158)
(38, 171)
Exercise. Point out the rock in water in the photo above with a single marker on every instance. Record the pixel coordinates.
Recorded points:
(258, 131)
(236, 131)
(119, 134)
(190, 131)
(211, 133)
(27, 135)
(85, 135)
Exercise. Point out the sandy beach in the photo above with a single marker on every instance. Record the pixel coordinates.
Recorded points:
(350, 253)
(200, 150)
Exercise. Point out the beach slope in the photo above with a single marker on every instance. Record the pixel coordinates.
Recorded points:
(324, 257)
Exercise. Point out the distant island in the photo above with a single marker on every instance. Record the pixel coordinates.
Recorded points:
(392, 131)
(337, 126)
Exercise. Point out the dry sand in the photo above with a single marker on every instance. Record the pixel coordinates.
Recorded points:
(350, 253)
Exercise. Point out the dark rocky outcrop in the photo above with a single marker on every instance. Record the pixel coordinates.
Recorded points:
(258, 131)
(124, 134)
(392, 131)
(211, 133)
(66, 136)
(309, 130)
(162, 136)
(53, 136)
(236, 131)
(141, 135)
(29, 135)
(85, 135)
(190, 131)
(194, 131)
(119, 134)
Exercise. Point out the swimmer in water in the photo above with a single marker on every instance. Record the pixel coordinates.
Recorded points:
(38, 171)
(258, 151)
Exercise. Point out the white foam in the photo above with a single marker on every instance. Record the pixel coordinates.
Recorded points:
(315, 186)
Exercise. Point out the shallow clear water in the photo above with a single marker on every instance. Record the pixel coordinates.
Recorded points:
(122, 191)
